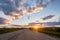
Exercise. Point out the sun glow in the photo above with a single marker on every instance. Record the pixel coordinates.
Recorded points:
(36, 28)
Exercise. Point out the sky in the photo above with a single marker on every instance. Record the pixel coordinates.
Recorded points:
(52, 8)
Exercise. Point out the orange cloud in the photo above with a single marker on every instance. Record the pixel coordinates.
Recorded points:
(6, 21)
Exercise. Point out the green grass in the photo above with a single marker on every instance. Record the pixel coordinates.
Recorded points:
(53, 31)
(6, 30)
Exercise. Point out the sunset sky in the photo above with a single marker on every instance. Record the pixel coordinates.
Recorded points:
(52, 8)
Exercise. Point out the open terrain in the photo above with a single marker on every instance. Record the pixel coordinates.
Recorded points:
(26, 34)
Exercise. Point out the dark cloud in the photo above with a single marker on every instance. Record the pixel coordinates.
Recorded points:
(4, 21)
(48, 17)
(1, 20)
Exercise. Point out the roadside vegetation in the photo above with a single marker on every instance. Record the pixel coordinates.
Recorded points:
(53, 31)
(6, 30)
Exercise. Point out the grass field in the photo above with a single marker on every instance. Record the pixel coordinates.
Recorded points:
(6, 30)
(53, 31)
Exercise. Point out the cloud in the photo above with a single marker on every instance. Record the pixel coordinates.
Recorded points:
(48, 17)
(17, 8)
(1, 20)
(4, 21)
(17, 5)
